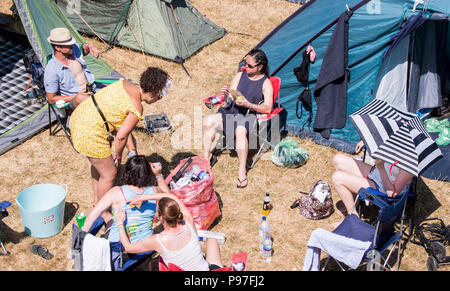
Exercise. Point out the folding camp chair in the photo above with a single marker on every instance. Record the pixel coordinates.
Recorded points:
(264, 121)
(62, 115)
(375, 240)
(3, 213)
(133, 260)
(408, 217)
(237, 258)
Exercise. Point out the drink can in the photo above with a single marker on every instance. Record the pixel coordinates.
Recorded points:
(89, 87)
(81, 217)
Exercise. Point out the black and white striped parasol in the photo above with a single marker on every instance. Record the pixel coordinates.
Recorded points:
(395, 136)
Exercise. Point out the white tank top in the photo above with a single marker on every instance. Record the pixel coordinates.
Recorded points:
(189, 257)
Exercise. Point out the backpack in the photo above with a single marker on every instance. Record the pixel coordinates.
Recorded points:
(34, 67)
(317, 204)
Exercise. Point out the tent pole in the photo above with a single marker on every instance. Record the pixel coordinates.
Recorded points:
(182, 64)
(178, 24)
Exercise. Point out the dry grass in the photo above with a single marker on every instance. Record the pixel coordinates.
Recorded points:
(44, 159)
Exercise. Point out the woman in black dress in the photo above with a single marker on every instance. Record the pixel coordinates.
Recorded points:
(254, 85)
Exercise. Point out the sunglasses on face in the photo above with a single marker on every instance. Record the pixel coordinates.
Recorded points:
(164, 90)
(250, 66)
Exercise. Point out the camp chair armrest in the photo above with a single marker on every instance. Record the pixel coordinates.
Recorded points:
(269, 116)
(373, 196)
(4, 204)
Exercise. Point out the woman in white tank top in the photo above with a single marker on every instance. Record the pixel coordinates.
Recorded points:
(178, 243)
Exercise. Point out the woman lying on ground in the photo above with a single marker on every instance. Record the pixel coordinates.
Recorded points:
(121, 106)
(352, 175)
(255, 86)
(136, 178)
(178, 243)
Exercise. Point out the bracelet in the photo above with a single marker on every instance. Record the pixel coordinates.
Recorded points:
(250, 107)
(159, 177)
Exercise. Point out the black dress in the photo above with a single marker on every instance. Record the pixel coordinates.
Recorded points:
(240, 116)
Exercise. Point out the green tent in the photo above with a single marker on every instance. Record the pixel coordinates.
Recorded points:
(171, 29)
(38, 18)
(20, 116)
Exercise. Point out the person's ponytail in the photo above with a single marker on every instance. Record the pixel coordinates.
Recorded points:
(170, 211)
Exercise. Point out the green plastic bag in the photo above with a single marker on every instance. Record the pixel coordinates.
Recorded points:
(288, 154)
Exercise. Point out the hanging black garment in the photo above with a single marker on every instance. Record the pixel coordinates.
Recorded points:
(304, 99)
(330, 92)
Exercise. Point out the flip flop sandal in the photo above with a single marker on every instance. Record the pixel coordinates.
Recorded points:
(40, 251)
(240, 182)
(213, 160)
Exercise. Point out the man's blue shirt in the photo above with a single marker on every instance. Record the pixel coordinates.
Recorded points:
(60, 80)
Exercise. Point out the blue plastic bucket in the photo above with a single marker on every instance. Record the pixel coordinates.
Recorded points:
(42, 209)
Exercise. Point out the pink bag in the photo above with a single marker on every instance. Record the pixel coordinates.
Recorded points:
(199, 197)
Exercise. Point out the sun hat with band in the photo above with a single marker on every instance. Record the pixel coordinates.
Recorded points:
(60, 36)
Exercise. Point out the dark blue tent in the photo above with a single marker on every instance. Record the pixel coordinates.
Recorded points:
(372, 26)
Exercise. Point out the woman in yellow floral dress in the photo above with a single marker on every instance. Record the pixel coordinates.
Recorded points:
(121, 106)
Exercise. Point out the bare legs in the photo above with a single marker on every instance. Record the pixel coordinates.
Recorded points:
(242, 153)
(103, 173)
(210, 125)
(349, 177)
(213, 252)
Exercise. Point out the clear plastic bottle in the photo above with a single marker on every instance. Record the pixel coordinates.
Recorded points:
(266, 205)
(263, 230)
(202, 175)
(267, 249)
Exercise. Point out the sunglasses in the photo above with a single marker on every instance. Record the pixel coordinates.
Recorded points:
(250, 66)
(165, 90)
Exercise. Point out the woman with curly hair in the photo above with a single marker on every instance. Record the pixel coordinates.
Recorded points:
(116, 109)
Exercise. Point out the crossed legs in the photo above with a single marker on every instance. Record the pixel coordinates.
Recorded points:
(349, 177)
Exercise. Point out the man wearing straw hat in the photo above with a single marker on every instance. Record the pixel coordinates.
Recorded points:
(66, 74)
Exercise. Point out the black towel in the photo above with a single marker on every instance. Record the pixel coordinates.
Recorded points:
(330, 92)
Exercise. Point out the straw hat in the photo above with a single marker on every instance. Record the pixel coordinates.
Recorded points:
(60, 36)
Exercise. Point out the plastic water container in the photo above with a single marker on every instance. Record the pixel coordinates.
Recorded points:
(42, 209)
(263, 230)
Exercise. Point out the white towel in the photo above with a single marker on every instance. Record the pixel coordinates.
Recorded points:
(346, 250)
(96, 254)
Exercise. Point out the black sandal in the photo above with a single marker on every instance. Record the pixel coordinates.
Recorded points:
(213, 160)
(40, 251)
(240, 182)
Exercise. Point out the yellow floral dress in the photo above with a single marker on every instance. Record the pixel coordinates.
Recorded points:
(88, 131)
